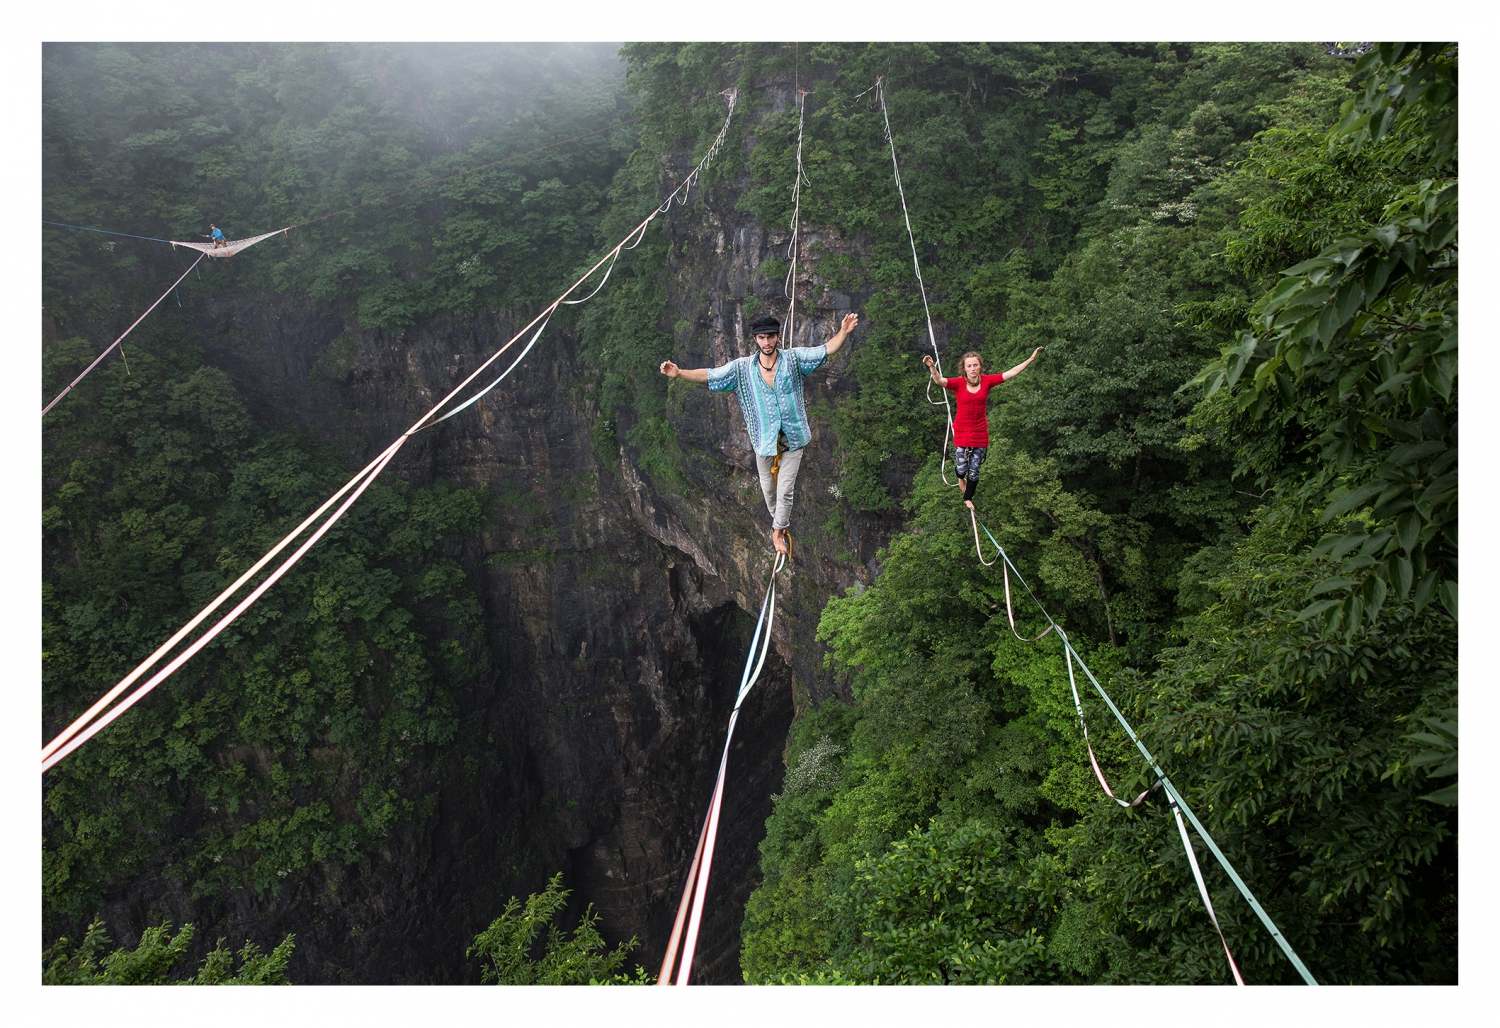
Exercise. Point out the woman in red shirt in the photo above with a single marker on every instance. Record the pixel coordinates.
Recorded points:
(971, 429)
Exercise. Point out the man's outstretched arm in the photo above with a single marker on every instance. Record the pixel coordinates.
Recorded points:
(699, 375)
(1013, 372)
(834, 344)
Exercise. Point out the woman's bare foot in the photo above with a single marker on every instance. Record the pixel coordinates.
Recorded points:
(969, 504)
(778, 540)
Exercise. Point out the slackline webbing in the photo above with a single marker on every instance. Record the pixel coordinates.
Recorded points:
(695, 890)
(1174, 796)
(95, 718)
(117, 342)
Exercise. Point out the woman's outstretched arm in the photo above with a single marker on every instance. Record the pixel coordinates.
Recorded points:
(1013, 372)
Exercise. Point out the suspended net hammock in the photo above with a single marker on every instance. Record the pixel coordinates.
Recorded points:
(228, 248)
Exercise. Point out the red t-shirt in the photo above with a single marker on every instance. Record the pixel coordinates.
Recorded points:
(970, 427)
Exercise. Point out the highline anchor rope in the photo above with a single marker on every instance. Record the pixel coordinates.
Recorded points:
(879, 88)
(96, 718)
(790, 286)
(1174, 796)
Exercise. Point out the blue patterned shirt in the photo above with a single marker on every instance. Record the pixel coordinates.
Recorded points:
(771, 410)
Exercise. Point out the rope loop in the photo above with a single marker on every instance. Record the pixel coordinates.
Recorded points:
(789, 287)
(1174, 797)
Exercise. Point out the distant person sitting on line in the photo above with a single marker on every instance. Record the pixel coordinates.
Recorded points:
(770, 394)
(971, 426)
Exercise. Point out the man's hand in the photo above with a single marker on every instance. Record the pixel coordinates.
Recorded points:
(699, 375)
(850, 320)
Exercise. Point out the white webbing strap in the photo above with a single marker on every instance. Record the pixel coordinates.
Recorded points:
(92, 729)
(921, 287)
(1093, 760)
(698, 875)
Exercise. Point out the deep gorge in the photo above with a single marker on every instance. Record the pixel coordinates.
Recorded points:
(519, 654)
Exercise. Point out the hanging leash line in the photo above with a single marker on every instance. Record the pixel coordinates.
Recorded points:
(1174, 796)
(789, 287)
(695, 890)
(1093, 760)
(1208, 904)
(879, 88)
(117, 342)
(91, 722)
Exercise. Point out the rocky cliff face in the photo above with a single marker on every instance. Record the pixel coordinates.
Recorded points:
(619, 612)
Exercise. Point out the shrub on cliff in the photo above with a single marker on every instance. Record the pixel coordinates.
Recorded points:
(156, 958)
(513, 950)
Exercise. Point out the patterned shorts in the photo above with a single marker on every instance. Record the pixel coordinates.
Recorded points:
(966, 461)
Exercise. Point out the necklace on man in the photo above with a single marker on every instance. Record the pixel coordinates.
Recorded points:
(763, 367)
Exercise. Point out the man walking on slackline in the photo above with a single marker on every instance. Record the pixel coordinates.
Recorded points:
(770, 395)
(971, 427)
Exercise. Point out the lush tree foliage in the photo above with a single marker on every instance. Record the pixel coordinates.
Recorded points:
(514, 951)
(155, 960)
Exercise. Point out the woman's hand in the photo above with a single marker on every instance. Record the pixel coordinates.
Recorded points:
(927, 360)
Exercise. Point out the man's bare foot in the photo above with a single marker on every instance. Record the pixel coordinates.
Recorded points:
(778, 540)
(969, 504)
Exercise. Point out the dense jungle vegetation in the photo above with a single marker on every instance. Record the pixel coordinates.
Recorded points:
(1232, 476)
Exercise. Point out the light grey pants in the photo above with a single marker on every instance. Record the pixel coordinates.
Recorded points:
(779, 494)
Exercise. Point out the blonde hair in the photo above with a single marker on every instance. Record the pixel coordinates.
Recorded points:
(963, 362)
